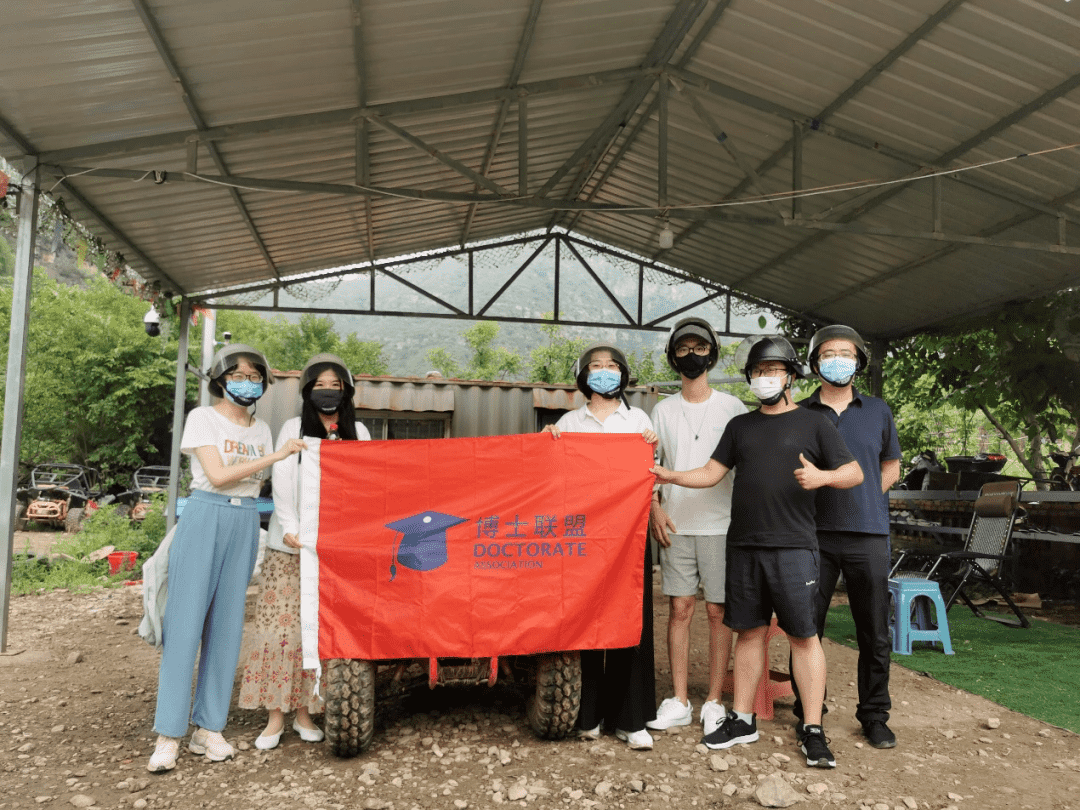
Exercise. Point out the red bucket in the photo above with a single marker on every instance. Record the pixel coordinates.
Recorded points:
(122, 560)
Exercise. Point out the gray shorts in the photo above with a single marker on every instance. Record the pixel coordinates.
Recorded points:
(692, 560)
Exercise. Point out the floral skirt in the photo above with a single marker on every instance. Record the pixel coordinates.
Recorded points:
(274, 677)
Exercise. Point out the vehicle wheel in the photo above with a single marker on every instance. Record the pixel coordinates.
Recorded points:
(73, 521)
(350, 705)
(20, 517)
(123, 510)
(553, 708)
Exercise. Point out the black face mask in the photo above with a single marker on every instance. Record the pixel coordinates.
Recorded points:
(693, 365)
(327, 400)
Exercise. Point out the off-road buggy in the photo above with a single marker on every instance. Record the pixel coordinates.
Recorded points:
(551, 683)
(145, 483)
(59, 495)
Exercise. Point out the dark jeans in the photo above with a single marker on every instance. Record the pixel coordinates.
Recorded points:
(864, 560)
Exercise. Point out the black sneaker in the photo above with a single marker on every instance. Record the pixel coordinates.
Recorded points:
(878, 734)
(817, 751)
(732, 732)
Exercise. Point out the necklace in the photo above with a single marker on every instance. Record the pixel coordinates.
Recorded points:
(704, 416)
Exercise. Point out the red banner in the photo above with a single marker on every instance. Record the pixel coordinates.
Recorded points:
(477, 547)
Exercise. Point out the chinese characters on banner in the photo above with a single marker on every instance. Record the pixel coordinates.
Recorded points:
(473, 547)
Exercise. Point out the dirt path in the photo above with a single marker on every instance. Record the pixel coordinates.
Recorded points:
(83, 729)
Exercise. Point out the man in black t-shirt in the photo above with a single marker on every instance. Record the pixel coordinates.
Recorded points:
(782, 453)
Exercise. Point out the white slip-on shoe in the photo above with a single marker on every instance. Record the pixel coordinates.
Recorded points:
(312, 735)
(712, 715)
(268, 742)
(165, 753)
(637, 740)
(211, 743)
(589, 733)
(672, 712)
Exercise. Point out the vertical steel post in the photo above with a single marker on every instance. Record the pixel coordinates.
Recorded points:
(178, 412)
(209, 341)
(935, 204)
(558, 270)
(878, 350)
(15, 385)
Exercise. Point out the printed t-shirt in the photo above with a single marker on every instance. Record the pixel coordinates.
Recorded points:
(206, 427)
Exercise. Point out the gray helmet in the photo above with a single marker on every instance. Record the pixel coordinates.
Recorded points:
(837, 332)
(229, 356)
(320, 363)
(698, 327)
(581, 367)
(773, 347)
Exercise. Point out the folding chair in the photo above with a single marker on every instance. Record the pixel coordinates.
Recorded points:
(980, 561)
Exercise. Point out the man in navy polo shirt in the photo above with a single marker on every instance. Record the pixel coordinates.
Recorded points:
(853, 524)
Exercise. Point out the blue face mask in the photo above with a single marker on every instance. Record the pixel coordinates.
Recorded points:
(837, 370)
(604, 381)
(243, 393)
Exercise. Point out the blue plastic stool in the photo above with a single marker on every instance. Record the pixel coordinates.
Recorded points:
(906, 595)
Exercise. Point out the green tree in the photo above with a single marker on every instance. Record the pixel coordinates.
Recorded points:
(98, 389)
(488, 361)
(1020, 369)
(288, 346)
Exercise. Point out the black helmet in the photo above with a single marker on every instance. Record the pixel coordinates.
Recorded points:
(581, 367)
(773, 347)
(698, 327)
(229, 356)
(837, 332)
(320, 363)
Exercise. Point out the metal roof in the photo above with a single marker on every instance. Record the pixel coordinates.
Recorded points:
(292, 137)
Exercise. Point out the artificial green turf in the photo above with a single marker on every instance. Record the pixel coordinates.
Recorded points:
(1033, 671)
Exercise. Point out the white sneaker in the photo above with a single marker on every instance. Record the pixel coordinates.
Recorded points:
(164, 756)
(637, 740)
(212, 744)
(589, 733)
(672, 712)
(712, 715)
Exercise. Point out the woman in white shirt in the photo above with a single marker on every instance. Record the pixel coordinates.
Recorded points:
(274, 677)
(212, 556)
(617, 686)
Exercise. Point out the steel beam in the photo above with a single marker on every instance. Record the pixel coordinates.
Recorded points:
(527, 35)
(438, 156)
(363, 140)
(14, 385)
(187, 96)
(342, 117)
(906, 267)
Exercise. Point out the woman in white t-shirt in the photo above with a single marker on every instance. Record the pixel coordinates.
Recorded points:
(617, 686)
(274, 677)
(212, 556)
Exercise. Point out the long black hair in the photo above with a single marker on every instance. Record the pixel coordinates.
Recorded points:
(311, 424)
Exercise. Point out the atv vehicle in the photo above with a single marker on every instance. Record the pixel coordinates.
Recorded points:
(551, 682)
(58, 494)
(145, 483)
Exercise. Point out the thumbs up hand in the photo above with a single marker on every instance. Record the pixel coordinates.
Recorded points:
(809, 476)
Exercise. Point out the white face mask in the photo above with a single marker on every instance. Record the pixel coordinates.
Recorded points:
(768, 389)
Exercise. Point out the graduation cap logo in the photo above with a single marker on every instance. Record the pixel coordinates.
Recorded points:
(422, 545)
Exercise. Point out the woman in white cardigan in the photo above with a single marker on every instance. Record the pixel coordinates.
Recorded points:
(274, 677)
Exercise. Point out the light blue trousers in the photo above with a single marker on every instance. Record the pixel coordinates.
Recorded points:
(210, 563)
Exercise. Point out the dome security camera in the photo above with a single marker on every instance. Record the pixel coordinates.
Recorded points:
(152, 322)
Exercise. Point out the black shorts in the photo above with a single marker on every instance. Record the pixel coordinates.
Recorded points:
(761, 581)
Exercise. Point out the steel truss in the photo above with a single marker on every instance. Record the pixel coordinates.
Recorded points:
(565, 246)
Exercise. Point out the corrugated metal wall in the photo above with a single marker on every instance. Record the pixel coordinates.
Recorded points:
(479, 408)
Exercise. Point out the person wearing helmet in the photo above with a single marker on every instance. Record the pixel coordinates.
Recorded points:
(853, 524)
(212, 556)
(274, 677)
(689, 525)
(618, 687)
(782, 454)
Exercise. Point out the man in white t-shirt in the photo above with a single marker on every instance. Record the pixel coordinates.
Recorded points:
(690, 525)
